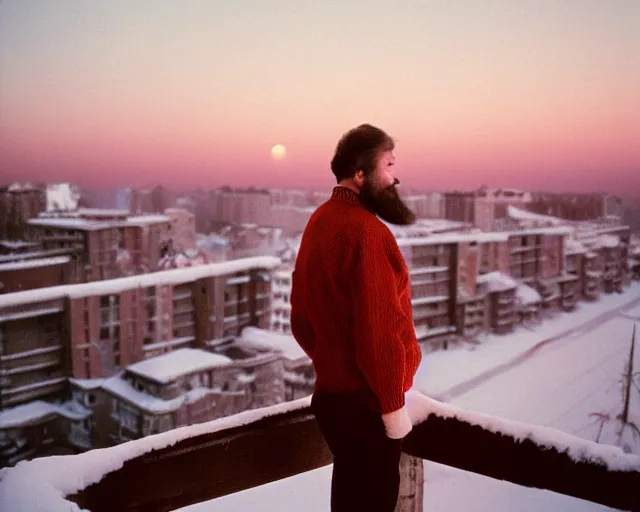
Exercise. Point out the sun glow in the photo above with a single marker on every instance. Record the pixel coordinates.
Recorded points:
(278, 152)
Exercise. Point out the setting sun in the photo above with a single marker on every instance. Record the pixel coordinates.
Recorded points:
(278, 152)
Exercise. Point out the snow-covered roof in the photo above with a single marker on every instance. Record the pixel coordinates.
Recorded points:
(175, 364)
(87, 384)
(148, 219)
(452, 238)
(572, 246)
(68, 223)
(497, 281)
(41, 262)
(122, 389)
(36, 411)
(533, 218)
(102, 212)
(91, 219)
(550, 230)
(113, 286)
(17, 244)
(527, 295)
(21, 187)
(263, 339)
(609, 241)
(422, 227)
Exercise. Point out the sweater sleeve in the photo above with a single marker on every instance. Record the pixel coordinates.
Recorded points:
(380, 320)
(301, 327)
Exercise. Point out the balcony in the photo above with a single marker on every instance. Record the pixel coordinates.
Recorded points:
(261, 446)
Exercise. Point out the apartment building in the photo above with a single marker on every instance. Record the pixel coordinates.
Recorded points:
(492, 207)
(429, 206)
(281, 299)
(485, 208)
(95, 331)
(109, 243)
(576, 207)
(537, 259)
(20, 202)
(182, 230)
(433, 271)
(241, 206)
(459, 206)
(33, 273)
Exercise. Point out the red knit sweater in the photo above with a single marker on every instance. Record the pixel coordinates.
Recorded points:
(351, 304)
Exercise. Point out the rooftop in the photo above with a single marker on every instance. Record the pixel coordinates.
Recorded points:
(113, 286)
(41, 262)
(269, 340)
(170, 366)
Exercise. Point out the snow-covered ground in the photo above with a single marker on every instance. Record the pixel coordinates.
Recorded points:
(568, 367)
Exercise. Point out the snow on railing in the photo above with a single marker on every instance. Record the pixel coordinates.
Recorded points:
(256, 447)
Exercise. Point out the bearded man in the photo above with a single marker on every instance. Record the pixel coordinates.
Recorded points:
(351, 313)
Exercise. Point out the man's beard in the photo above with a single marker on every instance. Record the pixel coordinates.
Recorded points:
(386, 204)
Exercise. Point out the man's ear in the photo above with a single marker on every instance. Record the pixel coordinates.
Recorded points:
(359, 178)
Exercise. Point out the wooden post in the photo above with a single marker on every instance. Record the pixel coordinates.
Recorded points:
(411, 484)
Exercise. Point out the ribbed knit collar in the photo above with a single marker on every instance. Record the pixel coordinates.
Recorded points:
(346, 194)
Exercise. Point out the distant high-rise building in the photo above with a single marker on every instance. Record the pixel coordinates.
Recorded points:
(20, 202)
(576, 207)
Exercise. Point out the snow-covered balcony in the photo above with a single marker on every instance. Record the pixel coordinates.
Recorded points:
(203, 462)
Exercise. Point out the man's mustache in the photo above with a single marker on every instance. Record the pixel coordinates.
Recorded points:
(396, 181)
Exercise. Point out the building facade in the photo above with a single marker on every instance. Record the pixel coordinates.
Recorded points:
(109, 243)
(20, 202)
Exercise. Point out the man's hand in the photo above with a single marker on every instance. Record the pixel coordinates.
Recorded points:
(397, 423)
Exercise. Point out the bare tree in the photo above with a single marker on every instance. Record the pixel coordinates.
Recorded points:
(624, 420)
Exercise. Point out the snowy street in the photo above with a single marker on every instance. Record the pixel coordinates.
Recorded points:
(557, 375)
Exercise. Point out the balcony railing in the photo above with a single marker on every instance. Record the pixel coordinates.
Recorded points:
(202, 462)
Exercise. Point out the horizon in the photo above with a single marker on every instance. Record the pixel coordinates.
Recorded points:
(113, 94)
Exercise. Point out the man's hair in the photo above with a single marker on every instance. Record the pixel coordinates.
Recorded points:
(359, 149)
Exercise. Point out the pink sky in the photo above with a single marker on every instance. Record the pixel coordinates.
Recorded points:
(542, 96)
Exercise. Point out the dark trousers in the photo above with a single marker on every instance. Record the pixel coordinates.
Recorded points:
(366, 463)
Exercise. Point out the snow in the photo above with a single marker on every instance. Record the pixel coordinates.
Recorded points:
(17, 244)
(102, 212)
(452, 238)
(449, 489)
(423, 331)
(573, 246)
(166, 344)
(21, 315)
(420, 406)
(17, 484)
(87, 384)
(121, 388)
(148, 219)
(44, 262)
(429, 300)
(568, 368)
(174, 364)
(62, 197)
(428, 270)
(497, 281)
(609, 241)
(35, 385)
(67, 223)
(526, 216)
(29, 353)
(33, 412)
(263, 339)
(526, 295)
(114, 286)
(20, 187)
